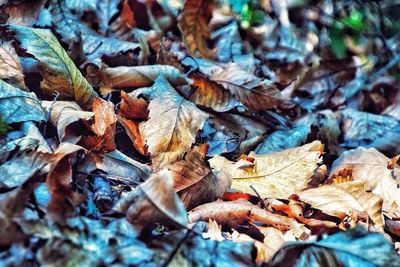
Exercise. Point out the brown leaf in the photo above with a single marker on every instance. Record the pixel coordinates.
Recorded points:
(177, 121)
(133, 108)
(194, 181)
(207, 93)
(24, 13)
(154, 201)
(237, 212)
(104, 127)
(123, 26)
(59, 183)
(372, 168)
(252, 91)
(193, 23)
(10, 66)
(137, 76)
(66, 116)
(132, 130)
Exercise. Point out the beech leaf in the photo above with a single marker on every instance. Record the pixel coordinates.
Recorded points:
(177, 120)
(275, 175)
(10, 67)
(58, 71)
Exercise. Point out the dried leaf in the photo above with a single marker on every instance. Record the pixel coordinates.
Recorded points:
(132, 130)
(10, 67)
(341, 199)
(194, 181)
(154, 201)
(64, 115)
(207, 93)
(57, 69)
(276, 175)
(138, 76)
(133, 108)
(177, 120)
(95, 45)
(104, 127)
(373, 169)
(252, 91)
(237, 212)
(193, 23)
(59, 183)
(19, 106)
(24, 13)
(20, 160)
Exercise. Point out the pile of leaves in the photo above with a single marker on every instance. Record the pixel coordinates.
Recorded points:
(199, 132)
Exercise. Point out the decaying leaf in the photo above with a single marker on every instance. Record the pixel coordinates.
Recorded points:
(207, 93)
(66, 116)
(103, 127)
(20, 160)
(59, 183)
(138, 76)
(10, 66)
(341, 199)
(95, 46)
(193, 23)
(194, 181)
(353, 247)
(374, 170)
(233, 213)
(58, 71)
(252, 91)
(177, 120)
(19, 106)
(154, 201)
(276, 175)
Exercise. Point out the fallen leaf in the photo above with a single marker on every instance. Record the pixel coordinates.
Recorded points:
(19, 106)
(372, 168)
(66, 116)
(354, 247)
(10, 67)
(207, 93)
(24, 14)
(193, 23)
(133, 108)
(341, 199)
(95, 46)
(194, 181)
(154, 201)
(58, 71)
(20, 160)
(64, 198)
(252, 91)
(103, 127)
(138, 76)
(233, 213)
(276, 175)
(177, 120)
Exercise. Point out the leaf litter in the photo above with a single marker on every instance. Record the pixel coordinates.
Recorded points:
(199, 133)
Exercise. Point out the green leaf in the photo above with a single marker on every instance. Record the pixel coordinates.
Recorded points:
(355, 20)
(338, 45)
(58, 71)
(4, 127)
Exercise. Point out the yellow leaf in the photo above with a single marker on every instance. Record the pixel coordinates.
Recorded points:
(340, 199)
(276, 175)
